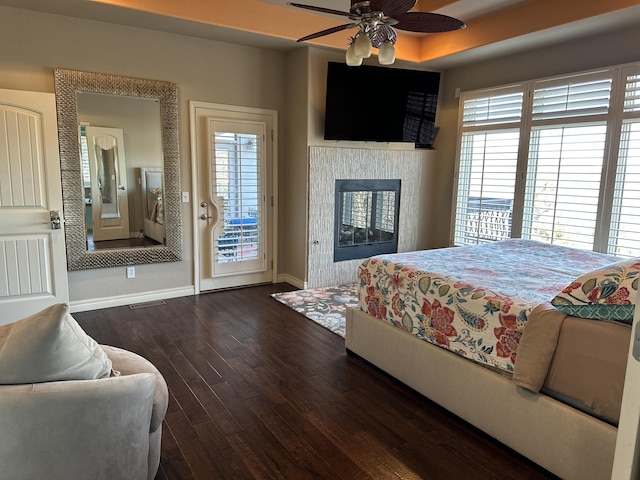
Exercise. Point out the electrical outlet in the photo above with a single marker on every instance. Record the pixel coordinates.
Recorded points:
(131, 272)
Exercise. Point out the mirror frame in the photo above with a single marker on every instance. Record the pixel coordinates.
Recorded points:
(67, 84)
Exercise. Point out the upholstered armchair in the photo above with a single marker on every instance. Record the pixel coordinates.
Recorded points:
(73, 409)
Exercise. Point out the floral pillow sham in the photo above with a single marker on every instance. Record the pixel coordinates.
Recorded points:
(608, 293)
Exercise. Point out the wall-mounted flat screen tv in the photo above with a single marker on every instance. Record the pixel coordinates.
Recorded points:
(381, 104)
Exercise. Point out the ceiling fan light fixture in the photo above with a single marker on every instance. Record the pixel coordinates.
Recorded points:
(377, 22)
(352, 59)
(387, 53)
(362, 46)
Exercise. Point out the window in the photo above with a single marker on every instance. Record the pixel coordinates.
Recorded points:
(487, 169)
(625, 211)
(84, 157)
(567, 171)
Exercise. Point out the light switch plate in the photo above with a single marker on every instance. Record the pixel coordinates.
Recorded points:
(131, 272)
(185, 197)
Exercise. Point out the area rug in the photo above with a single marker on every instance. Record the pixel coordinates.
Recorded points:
(325, 306)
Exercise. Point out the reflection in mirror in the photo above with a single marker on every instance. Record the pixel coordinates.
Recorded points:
(130, 128)
(120, 169)
(152, 186)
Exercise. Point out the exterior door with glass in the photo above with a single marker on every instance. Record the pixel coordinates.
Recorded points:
(235, 205)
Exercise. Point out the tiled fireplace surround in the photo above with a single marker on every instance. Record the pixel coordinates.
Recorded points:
(326, 165)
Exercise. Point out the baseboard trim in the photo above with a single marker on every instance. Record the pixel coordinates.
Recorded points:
(286, 278)
(98, 303)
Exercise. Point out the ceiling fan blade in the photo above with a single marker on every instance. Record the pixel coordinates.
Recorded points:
(319, 9)
(427, 22)
(328, 31)
(391, 8)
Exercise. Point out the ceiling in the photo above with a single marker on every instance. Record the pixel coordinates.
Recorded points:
(493, 26)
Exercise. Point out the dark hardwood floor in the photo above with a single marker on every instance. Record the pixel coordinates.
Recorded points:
(257, 391)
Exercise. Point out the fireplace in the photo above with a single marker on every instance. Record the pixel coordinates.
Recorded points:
(366, 218)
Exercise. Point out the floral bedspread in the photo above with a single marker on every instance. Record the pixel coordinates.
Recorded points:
(473, 300)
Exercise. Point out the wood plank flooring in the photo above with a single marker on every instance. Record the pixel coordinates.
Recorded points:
(257, 391)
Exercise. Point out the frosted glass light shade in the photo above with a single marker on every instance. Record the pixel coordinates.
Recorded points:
(351, 58)
(362, 46)
(387, 54)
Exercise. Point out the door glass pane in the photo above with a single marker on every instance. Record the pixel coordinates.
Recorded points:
(237, 180)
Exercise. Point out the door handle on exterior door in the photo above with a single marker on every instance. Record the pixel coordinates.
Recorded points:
(204, 216)
(54, 215)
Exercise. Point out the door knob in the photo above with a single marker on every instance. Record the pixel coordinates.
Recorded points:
(54, 215)
(204, 216)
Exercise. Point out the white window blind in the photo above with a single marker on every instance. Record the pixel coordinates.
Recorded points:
(566, 154)
(487, 169)
(501, 109)
(385, 211)
(632, 94)
(553, 161)
(237, 180)
(624, 234)
(486, 187)
(84, 157)
(563, 184)
(570, 98)
(371, 211)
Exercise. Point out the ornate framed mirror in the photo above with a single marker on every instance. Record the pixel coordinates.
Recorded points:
(81, 193)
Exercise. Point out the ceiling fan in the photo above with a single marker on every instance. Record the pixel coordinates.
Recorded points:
(377, 21)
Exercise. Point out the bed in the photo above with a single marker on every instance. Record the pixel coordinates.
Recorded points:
(474, 329)
(152, 187)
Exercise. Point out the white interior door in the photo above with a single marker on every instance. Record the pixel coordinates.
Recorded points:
(109, 198)
(626, 464)
(235, 213)
(33, 266)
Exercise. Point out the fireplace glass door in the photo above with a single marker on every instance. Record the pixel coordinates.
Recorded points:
(366, 220)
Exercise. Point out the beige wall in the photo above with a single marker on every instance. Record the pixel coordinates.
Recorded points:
(306, 90)
(33, 44)
(293, 171)
(617, 47)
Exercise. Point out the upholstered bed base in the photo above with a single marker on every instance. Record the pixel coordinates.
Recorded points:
(557, 437)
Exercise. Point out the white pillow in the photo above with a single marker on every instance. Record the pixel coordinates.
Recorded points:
(49, 346)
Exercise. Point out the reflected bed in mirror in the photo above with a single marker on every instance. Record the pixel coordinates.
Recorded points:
(120, 169)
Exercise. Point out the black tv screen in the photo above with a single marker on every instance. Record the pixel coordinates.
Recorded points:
(380, 104)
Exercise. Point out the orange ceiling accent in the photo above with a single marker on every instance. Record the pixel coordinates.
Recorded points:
(521, 19)
(288, 23)
(432, 5)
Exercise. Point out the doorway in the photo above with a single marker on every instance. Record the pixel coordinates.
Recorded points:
(108, 183)
(234, 171)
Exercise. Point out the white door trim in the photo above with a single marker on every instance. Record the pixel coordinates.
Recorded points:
(225, 110)
(626, 462)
